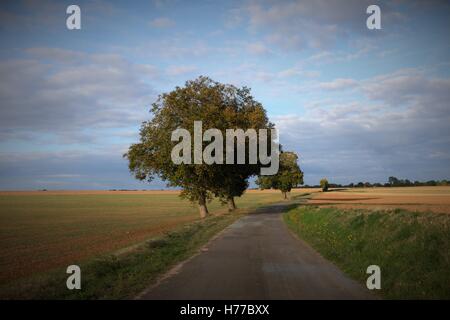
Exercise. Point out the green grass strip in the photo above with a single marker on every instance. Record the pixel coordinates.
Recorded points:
(412, 249)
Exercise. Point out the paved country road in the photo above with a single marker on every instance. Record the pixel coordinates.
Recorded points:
(257, 257)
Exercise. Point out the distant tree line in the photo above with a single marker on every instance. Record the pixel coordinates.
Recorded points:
(392, 182)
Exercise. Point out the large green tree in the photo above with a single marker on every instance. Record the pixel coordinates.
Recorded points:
(218, 106)
(289, 175)
(243, 112)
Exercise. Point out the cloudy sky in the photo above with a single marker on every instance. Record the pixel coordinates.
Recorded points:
(355, 104)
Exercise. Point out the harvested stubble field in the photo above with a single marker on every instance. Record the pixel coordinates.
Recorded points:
(40, 231)
(420, 199)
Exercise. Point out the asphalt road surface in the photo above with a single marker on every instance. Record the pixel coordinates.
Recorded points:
(257, 257)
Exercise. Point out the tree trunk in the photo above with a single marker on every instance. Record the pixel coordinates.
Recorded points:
(202, 207)
(284, 195)
(231, 204)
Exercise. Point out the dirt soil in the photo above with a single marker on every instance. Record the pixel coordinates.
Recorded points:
(434, 199)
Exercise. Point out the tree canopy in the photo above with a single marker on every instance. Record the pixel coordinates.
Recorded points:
(324, 184)
(289, 175)
(218, 106)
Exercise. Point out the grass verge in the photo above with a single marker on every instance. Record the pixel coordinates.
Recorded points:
(125, 274)
(412, 249)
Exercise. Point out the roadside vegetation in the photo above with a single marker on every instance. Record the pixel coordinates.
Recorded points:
(126, 273)
(411, 248)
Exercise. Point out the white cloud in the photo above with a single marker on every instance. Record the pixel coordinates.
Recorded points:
(297, 71)
(300, 24)
(339, 84)
(67, 93)
(162, 22)
(409, 86)
(257, 48)
(77, 169)
(180, 70)
(400, 131)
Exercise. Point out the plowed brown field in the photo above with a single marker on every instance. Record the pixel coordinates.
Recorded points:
(434, 199)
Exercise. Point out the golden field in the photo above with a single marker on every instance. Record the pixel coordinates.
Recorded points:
(42, 230)
(434, 199)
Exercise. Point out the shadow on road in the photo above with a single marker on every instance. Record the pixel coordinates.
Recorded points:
(283, 206)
